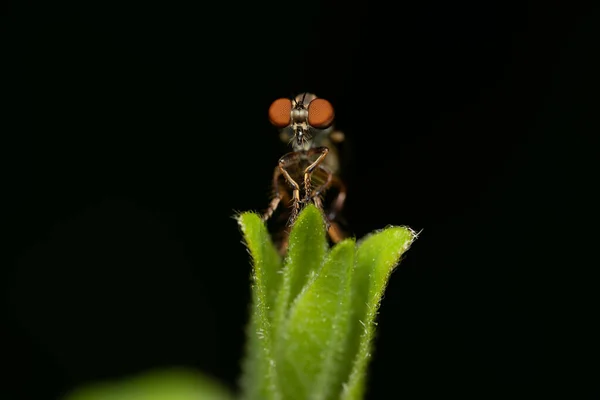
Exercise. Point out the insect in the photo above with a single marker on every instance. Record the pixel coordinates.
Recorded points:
(311, 169)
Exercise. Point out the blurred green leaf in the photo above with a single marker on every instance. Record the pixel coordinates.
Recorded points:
(175, 384)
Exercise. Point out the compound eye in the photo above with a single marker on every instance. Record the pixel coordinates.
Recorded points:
(280, 112)
(320, 113)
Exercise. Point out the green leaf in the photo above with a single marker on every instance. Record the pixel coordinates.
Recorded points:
(258, 377)
(306, 253)
(307, 248)
(377, 256)
(176, 384)
(317, 328)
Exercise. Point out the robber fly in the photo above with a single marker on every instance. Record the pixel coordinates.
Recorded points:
(305, 174)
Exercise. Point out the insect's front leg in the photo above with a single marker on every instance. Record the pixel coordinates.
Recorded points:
(322, 151)
(285, 162)
(333, 229)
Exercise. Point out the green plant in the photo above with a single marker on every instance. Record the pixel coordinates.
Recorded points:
(312, 318)
(312, 322)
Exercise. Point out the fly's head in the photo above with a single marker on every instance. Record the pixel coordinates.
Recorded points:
(302, 118)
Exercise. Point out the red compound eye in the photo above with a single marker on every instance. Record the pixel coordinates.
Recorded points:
(280, 113)
(320, 113)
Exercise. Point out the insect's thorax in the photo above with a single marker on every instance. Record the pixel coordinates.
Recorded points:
(322, 139)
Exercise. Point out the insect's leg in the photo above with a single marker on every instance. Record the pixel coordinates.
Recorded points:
(333, 229)
(336, 233)
(277, 196)
(319, 203)
(315, 195)
(284, 163)
(280, 233)
(322, 151)
(340, 198)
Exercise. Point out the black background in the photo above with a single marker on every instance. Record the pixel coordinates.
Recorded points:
(137, 129)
